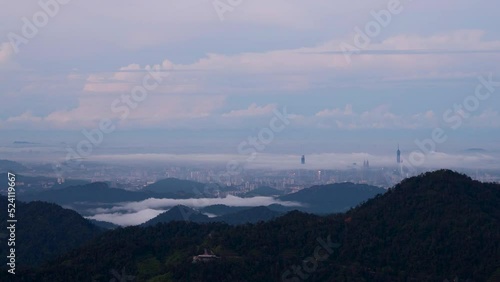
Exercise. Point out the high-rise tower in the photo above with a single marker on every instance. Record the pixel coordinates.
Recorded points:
(398, 155)
(303, 160)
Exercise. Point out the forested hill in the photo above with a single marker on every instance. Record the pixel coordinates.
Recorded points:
(43, 231)
(433, 227)
(333, 198)
(437, 225)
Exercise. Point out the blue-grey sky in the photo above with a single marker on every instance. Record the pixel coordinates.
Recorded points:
(227, 67)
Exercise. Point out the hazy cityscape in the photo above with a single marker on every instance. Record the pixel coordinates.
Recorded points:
(138, 176)
(250, 141)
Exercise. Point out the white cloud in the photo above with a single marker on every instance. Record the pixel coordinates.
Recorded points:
(379, 117)
(7, 58)
(197, 112)
(336, 112)
(487, 119)
(6, 52)
(200, 89)
(253, 110)
(229, 200)
(302, 68)
(25, 118)
(134, 213)
(127, 219)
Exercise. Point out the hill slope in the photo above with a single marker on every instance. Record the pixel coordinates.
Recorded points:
(440, 224)
(177, 213)
(45, 230)
(95, 193)
(11, 166)
(183, 213)
(219, 210)
(263, 191)
(249, 215)
(326, 199)
(181, 188)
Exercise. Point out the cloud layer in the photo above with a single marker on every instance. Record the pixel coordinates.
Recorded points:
(135, 213)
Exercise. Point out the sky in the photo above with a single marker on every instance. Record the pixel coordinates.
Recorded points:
(203, 76)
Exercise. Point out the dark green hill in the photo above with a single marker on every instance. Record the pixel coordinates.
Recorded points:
(93, 193)
(437, 225)
(35, 184)
(282, 209)
(263, 191)
(248, 215)
(327, 199)
(103, 224)
(178, 213)
(165, 251)
(219, 210)
(11, 166)
(44, 231)
(69, 183)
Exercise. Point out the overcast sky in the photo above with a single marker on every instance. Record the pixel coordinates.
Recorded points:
(228, 68)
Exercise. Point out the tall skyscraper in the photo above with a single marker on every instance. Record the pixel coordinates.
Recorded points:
(398, 155)
(303, 160)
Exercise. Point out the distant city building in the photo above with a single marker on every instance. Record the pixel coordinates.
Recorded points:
(398, 155)
(303, 160)
(366, 164)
